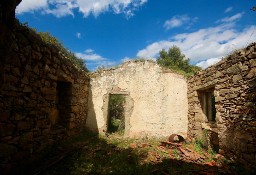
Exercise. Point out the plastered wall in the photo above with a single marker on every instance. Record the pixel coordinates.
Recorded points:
(156, 99)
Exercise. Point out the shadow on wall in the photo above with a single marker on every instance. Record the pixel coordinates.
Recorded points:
(251, 97)
(242, 131)
(91, 122)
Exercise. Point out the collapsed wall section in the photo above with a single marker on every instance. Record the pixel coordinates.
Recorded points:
(43, 97)
(229, 88)
(156, 101)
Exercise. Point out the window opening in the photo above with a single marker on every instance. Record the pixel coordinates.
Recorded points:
(207, 100)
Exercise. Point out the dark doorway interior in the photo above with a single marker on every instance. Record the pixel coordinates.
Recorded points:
(207, 100)
(116, 113)
(63, 102)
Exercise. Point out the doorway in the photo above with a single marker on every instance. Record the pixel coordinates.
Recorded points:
(63, 103)
(116, 113)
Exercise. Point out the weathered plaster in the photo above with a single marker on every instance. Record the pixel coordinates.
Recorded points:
(159, 99)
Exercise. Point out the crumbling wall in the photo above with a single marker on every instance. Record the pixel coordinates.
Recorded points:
(156, 100)
(234, 83)
(32, 114)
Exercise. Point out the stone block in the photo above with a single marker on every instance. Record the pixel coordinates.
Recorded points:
(16, 71)
(252, 123)
(219, 98)
(252, 73)
(222, 92)
(19, 116)
(234, 69)
(52, 77)
(6, 129)
(23, 125)
(50, 97)
(44, 123)
(237, 78)
(252, 55)
(249, 157)
(36, 70)
(75, 109)
(4, 115)
(27, 137)
(54, 114)
(36, 55)
(27, 89)
(25, 80)
(71, 125)
(253, 63)
(7, 150)
(13, 59)
(48, 91)
(244, 68)
(10, 78)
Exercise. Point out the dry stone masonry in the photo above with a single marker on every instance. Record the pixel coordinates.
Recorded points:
(43, 98)
(156, 100)
(230, 88)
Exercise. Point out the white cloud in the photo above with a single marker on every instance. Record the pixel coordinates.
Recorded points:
(61, 8)
(233, 18)
(89, 51)
(125, 59)
(178, 21)
(207, 63)
(94, 60)
(205, 43)
(90, 56)
(78, 35)
(229, 9)
(31, 5)
(92, 66)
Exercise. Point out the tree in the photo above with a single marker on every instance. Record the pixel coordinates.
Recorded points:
(174, 59)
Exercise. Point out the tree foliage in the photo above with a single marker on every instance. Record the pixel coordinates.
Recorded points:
(175, 60)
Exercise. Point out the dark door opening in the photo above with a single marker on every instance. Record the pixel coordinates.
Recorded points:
(116, 113)
(207, 100)
(63, 102)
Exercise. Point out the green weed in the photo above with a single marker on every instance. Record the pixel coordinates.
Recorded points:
(199, 146)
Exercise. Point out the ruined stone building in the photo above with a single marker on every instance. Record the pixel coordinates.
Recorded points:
(44, 98)
(222, 105)
(156, 100)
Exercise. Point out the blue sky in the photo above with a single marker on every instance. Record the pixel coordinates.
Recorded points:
(109, 32)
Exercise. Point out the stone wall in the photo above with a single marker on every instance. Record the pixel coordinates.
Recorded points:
(233, 81)
(156, 100)
(43, 97)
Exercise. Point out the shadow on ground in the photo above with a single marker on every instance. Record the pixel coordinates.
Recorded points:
(96, 155)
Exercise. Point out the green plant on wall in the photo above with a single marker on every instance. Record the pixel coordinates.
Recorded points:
(48, 38)
(51, 40)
